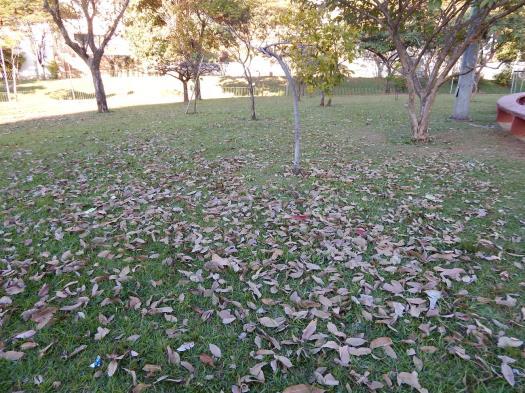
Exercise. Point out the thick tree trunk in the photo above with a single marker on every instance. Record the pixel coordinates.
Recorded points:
(419, 114)
(100, 93)
(467, 76)
(466, 83)
(322, 99)
(4, 73)
(185, 91)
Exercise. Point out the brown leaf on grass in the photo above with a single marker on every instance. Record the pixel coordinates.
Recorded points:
(284, 361)
(508, 374)
(80, 302)
(14, 286)
(303, 388)
(43, 316)
(410, 379)
(112, 367)
(361, 351)
(380, 342)
(216, 263)
(309, 330)
(101, 333)
(226, 316)
(11, 355)
(173, 356)
(26, 334)
(76, 351)
(270, 322)
(140, 388)
(206, 359)
(509, 342)
(215, 350)
(151, 369)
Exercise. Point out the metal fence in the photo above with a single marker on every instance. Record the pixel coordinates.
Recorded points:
(242, 91)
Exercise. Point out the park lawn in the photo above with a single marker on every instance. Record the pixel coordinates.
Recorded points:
(127, 233)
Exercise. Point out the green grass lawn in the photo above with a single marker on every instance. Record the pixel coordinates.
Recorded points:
(126, 233)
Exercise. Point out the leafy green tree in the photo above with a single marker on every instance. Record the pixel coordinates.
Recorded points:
(444, 30)
(245, 24)
(177, 37)
(319, 47)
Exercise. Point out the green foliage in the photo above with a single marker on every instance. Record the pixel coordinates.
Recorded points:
(504, 77)
(54, 69)
(18, 59)
(319, 45)
(398, 82)
(175, 31)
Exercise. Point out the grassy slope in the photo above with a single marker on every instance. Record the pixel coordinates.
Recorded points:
(359, 165)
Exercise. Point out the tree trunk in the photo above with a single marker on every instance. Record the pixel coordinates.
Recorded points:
(4, 72)
(14, 71)
(322, 99)
(251, 90)
(388, 78)
(296, 168)
(185, 91)
(252, 99)
(466, 83)
(466, 78)
(198, 94)
(329, 103)
(100, 93)
(420, 114)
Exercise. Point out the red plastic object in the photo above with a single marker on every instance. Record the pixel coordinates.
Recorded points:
(511, 114)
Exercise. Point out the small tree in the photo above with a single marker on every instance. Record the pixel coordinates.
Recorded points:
(185, 72)
(319, 45)
(175, 37)
(273, 51)
(247, 22)
(88, 46)
(444, 29)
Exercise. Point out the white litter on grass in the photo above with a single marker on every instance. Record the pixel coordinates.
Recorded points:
(433, 297)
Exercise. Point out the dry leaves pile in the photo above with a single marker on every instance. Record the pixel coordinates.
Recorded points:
(353, 270)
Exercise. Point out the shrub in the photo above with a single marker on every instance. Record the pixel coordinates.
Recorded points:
(54, 69)
(504, 77)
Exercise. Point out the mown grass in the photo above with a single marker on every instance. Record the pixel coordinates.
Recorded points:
(357, 156)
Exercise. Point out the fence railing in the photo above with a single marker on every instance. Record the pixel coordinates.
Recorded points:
(243, 91)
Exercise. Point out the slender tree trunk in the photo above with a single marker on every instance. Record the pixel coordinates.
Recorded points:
(100, 93)
(4, 73)
(296, 115)
(477, 79)
(251, 90)
(185, 91)
(388, 78)
(466, 78)
(198, 94)
(329, 103)
(14, 71)
(322, 99)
